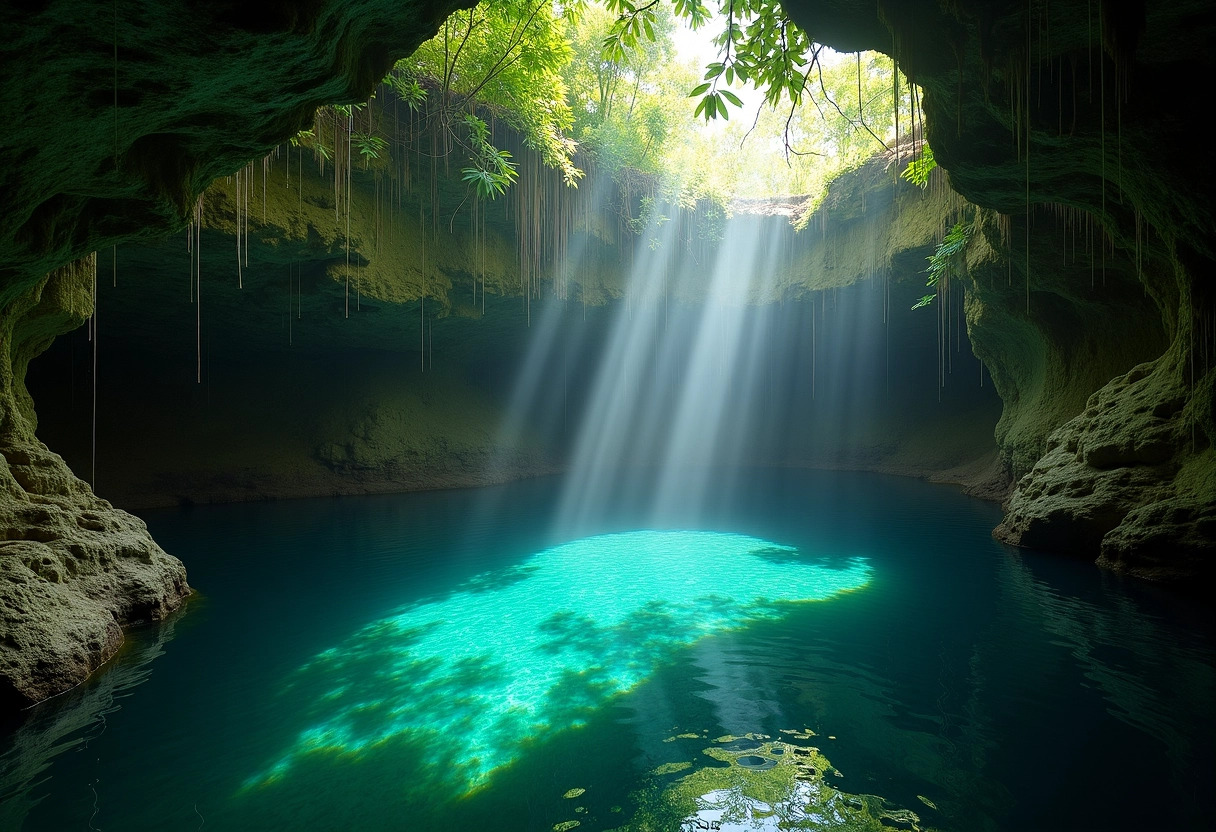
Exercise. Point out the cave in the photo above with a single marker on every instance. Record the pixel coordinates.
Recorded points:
(380, 454)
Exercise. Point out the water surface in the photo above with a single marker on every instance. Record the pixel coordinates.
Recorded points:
(448, 660)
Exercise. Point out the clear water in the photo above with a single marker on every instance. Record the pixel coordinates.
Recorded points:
(446, 660)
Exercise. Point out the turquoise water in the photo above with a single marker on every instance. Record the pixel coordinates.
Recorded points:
(448, 660)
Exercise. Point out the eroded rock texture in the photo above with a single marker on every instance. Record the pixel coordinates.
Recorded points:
(1083, 107)
(73, 569)
(128, 111)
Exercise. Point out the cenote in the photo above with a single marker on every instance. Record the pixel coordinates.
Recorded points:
(546, 415)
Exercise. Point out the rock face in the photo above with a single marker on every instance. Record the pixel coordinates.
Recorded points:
(1118, 479)
(160, 99)
(73, 570)
(126, 114)
(1080, 106)
(43, 734)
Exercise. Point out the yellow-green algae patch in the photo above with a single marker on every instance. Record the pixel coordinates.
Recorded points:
(565, 825)
(788, 792)
(573, 793)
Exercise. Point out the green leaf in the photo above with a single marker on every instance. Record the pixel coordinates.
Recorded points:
(699, 89)
(732, 98)
(918, 170)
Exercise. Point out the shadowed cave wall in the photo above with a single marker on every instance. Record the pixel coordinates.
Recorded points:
(1082, 107)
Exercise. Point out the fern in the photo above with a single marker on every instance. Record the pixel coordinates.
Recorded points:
(918, 170)
(943, 262)
(307, 138)
(370, 147)
(407, 88)
(492, 170)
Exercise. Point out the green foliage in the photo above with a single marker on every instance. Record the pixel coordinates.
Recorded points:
(606, 82)
(308, 138)
(622, 107)
(505, 57)
(944, 261)
(369, 146)
(492, 170)
(630, 110)
(405, 85)
(650, 217)
(918, 170)
(799, 151)
(757, 44)
(714, 102)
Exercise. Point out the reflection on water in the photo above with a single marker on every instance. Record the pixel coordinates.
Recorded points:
(1148, 677)
(71, 721)
(536, 647)
(762, 784)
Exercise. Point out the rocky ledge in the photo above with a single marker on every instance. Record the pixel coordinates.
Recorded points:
(1125, 481)
(73, 569)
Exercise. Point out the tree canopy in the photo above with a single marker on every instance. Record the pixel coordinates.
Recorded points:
(604, 84)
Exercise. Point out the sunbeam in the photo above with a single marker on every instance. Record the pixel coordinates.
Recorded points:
(671, 407)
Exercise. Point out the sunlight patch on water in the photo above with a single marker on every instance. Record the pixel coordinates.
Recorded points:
(765, 785)
(515, 654)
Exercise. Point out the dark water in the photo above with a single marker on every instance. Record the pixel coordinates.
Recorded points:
(412, 662)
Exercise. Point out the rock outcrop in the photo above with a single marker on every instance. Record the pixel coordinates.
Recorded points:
(123, 115)
(73, 569)
(1081, 106)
